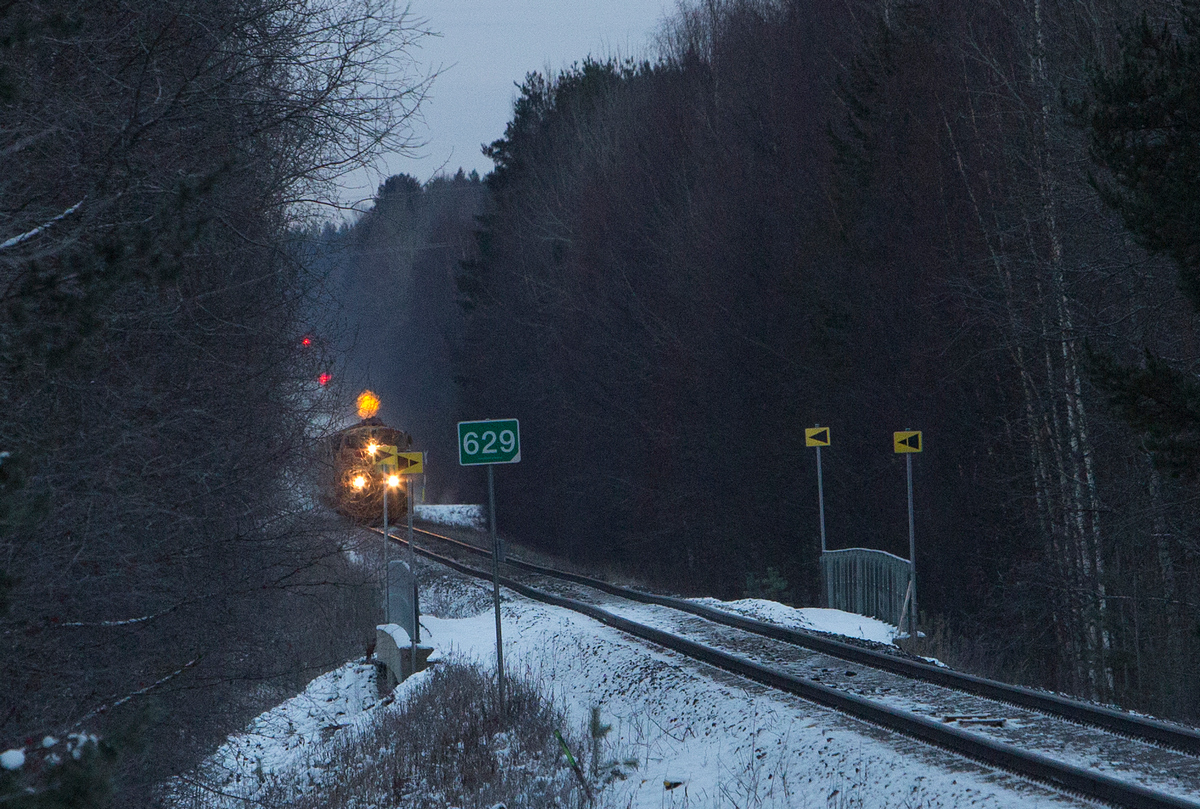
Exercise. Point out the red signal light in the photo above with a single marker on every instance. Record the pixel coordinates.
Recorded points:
(307, 341)
(323, 379)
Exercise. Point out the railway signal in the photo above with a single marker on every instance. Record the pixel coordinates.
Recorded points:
(490, 442)
(908, 443)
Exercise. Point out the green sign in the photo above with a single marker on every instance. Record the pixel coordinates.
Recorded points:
(488, 442)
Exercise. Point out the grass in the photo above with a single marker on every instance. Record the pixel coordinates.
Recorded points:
(966, 652)
(449, 745)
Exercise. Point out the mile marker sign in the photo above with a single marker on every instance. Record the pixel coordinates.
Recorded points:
(489, 442)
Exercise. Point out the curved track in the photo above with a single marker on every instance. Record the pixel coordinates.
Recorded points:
(1068, 776)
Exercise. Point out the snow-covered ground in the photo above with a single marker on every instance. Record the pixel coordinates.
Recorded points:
(701, 737)
(288, 745)
(467, 516)
(724, 740)
(814, 619)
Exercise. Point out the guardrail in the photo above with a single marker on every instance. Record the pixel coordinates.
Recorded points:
(865, 581)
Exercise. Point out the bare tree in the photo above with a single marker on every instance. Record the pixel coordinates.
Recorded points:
(157, 396)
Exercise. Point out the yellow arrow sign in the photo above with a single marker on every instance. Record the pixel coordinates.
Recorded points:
(907, 441)
(387, 457)
(816, 436)
(416, 463)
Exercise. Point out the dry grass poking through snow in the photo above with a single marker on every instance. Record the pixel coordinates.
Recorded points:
(447, 745)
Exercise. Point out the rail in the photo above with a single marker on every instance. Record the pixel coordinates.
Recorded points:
(1033, 765)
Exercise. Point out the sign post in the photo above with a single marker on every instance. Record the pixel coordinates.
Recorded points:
(489, 443)
(415, 466)
(387, 596)
(387, 462)
(819, 437)
(908, 442)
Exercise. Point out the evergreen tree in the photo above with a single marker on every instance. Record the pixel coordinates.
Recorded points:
(1145, 129)
(1144, 123)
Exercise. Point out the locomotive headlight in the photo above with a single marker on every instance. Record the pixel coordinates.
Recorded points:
(359, 482)
(372, 448)
(393, 480)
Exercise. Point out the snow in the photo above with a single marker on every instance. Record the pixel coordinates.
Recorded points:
(465, 515)
(725, 739)
(12, 759)
(814, 619)
(700, 736)
(291, 744)
(399, 634)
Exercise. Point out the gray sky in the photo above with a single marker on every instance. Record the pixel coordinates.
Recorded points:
(485, 47)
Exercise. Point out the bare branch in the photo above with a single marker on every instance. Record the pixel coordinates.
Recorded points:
(15, 240)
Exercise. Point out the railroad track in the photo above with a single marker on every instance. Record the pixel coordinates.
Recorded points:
(981, 719)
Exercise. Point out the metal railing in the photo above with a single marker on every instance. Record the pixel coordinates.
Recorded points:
(865, 581)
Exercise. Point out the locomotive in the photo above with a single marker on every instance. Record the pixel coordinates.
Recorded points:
(354, 486)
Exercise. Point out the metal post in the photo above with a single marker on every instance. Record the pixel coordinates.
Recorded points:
(496, 584)
(821, 511)
(821, 498)
(412, 566)
(387, 595)
(912, 553)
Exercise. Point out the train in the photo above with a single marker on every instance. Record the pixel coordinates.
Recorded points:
(354, 484)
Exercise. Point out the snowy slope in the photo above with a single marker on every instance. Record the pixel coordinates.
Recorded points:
(715, 739)
(726, 741)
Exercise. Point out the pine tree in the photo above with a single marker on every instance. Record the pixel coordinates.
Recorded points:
(1145, 129)
(1144, 126)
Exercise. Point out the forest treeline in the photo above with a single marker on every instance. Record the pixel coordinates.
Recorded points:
(162, 575)
(970, 219)
(393, 271)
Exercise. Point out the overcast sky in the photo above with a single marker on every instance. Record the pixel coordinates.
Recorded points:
(484, 49)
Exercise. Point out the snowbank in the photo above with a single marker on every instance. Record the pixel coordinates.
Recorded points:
(814, 619)
(290, 747)
(465, 515)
